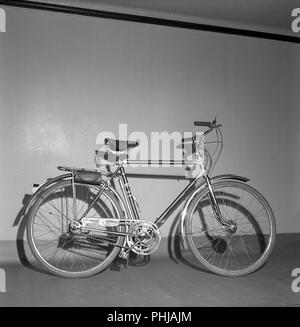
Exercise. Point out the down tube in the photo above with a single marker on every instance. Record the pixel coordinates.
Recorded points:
(163, 217)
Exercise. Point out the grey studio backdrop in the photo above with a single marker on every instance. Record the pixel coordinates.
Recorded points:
(65, 78)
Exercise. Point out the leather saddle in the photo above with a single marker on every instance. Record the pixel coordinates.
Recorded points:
(120, 145)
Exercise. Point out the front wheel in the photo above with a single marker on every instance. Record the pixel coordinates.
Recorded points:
(63, 250)
(242, 245)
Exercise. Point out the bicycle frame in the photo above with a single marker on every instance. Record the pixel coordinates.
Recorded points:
(128, 202)
(196, 184)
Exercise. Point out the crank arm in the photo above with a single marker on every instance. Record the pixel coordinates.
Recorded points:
(130, 248)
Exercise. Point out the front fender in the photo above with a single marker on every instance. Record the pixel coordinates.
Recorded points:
(231, 176)
(199, 187)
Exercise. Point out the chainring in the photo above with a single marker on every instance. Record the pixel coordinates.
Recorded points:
(143, 237)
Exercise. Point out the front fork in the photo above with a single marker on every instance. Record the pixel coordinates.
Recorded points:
(215, 205)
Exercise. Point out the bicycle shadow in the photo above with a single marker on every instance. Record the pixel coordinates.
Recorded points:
(21, 220)
(176, 250)
(21, 244)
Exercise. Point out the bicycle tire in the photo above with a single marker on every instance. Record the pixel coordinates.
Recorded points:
(62, 191)
(207, 246)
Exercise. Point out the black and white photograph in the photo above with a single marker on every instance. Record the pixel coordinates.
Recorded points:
(150, 156)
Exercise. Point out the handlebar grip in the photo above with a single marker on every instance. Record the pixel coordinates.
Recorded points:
(203, 123)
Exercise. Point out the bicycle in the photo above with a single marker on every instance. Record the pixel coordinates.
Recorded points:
(78, 223)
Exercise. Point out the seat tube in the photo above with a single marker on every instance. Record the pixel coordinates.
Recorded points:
(74, 196)
(130, 202)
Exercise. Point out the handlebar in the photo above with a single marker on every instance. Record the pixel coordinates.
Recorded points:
(203, 123)
(212, 125)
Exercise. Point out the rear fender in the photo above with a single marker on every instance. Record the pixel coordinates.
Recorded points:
(61, 177)
(42, 188)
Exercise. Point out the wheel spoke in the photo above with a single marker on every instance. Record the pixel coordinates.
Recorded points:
(225, 251)
(66, 251)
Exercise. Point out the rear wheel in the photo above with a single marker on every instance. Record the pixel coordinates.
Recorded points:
(242, 246)
(66, 251)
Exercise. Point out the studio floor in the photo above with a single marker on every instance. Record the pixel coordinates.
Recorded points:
(164, 281)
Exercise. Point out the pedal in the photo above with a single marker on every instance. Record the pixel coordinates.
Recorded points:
(124, 254)
(116, 265)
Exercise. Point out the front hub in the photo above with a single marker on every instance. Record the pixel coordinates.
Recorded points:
(231, 226)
